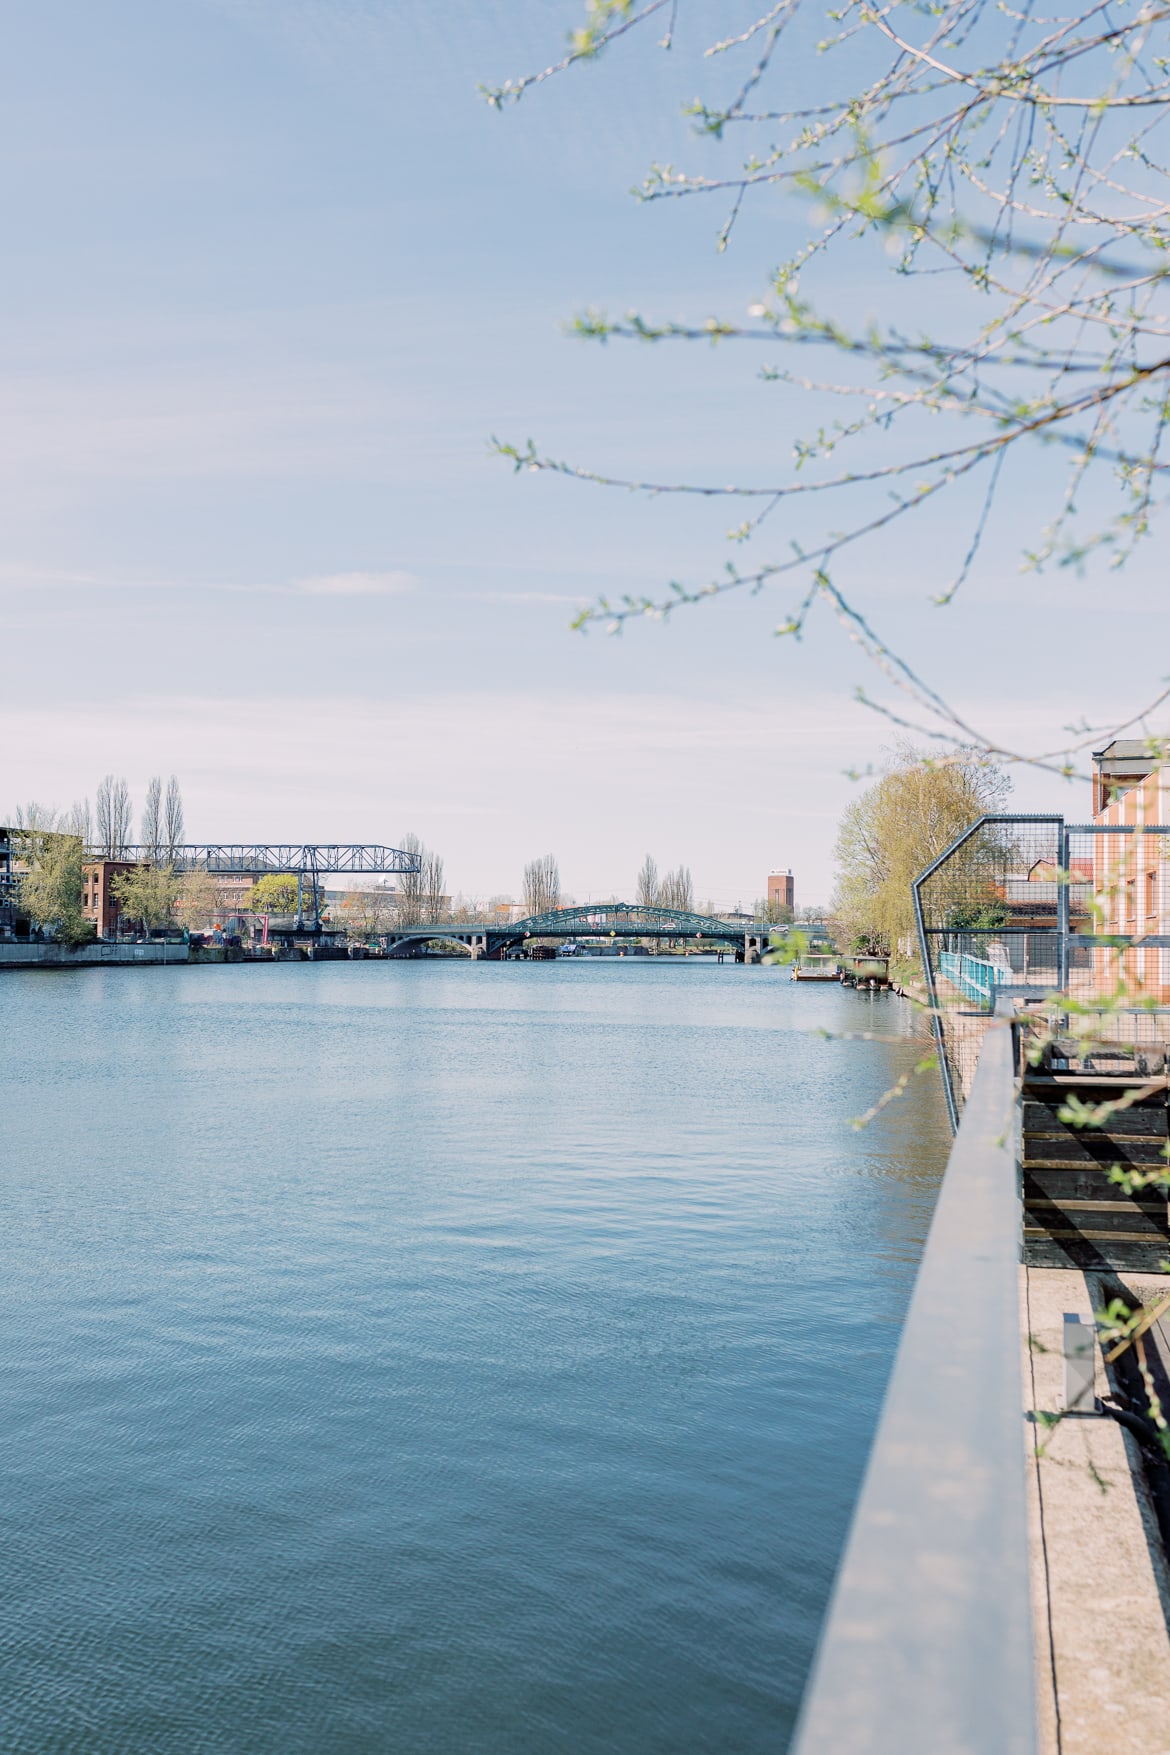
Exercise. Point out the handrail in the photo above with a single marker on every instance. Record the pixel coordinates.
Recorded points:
(927, 1645)
(974, 976)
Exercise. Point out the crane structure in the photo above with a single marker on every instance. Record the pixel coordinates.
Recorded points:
(302, 859)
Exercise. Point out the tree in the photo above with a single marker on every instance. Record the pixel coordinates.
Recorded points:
(114, 818)
(52, 883)
(274, 893)
(542, 885)
(434, 900)
(677, 891)
(51, 891)
(410, 884)
(151, 833)
(78, 820)
(892, 833)
(366, 913)
(773, 910)
(646, 894)
(1007, 168)
(173, 831)
(420, 896)
(199, 901)
(147, 894)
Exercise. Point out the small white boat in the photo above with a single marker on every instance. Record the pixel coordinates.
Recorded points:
(816, 967)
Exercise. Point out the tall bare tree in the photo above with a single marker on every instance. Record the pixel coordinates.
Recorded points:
(114, 817)
(79, 821)
(410, 884)
(678, 890)
(420, 895)
(173, 833)
(648, 887)
(434, 900)
(542, 885)
(151, 831)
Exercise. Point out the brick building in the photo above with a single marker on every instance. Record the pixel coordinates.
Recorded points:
(1131, 873)
(98, 902)
(781, 889)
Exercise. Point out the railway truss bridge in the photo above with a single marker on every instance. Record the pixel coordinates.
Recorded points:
(591, 923)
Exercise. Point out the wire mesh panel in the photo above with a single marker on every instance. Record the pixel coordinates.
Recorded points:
(1073, 921)
(1119, 889)
(988, 910)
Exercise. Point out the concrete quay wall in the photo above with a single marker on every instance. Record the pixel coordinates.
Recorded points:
(35, 954)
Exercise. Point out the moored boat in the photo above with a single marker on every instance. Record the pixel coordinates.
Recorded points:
(814, 966)
(871, 972)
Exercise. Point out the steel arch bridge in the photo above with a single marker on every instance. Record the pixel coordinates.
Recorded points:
(592, 920)
(627, 920)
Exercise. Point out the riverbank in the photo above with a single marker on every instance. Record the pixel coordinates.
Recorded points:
(36, 954)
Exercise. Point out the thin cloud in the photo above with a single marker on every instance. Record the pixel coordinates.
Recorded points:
(527, 597)
(393, 584)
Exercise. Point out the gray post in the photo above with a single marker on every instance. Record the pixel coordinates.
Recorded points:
(1080, 1357)
(1062, 909)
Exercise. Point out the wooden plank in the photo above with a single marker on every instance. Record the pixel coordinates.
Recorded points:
(1154, 1211)
(1143, 1118)
(1119, 1253)
(1074, 1182)
(1089, 1149)
(1094, 1221)
(1096, 1232)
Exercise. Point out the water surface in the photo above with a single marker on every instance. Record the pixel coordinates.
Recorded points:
(439, 1356)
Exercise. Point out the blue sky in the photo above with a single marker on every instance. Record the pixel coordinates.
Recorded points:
(274, 274)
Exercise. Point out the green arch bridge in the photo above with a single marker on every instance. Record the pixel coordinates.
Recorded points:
(596, 921)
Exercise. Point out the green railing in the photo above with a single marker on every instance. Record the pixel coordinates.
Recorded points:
(972, 976)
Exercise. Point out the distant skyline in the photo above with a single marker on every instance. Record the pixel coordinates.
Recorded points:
(274, 277)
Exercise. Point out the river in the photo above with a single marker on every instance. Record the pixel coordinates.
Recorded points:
(435, 1356)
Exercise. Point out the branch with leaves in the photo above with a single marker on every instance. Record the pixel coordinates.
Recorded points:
(1018, 164)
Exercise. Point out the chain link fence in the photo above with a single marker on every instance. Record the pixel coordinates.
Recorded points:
(1069, 921)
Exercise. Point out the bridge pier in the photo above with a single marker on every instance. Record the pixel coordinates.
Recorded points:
(479, 945)
(753, 947)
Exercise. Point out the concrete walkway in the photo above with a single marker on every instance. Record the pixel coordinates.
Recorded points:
(1101, 1587)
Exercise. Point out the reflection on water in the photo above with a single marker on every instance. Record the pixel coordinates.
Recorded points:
(439, 1357)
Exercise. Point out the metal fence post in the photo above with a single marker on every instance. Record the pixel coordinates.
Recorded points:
(1080, 1356)
(1062, 908)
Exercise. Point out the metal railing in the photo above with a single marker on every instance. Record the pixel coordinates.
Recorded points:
(973, 976)
(927, 1645)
